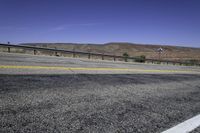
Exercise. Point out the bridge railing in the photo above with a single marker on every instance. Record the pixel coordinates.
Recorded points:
(89, 54)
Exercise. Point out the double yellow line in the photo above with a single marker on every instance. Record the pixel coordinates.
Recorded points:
(95, 69)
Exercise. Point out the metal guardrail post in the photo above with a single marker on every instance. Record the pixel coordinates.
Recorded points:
(74, 54)
(102, 57)
(8, 49)
(35, 52)
(125, 59)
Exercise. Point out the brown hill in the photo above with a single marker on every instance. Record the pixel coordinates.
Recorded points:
(169, 53)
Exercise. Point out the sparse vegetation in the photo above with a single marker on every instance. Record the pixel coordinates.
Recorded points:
(192, 62)
(170, 52)
(141, 59)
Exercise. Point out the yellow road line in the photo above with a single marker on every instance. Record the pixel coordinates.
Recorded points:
(93, 69)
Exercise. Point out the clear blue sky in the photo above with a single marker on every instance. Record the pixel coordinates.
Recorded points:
(173, 22)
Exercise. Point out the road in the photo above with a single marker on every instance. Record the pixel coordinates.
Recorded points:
(51, 95)
(29, 64)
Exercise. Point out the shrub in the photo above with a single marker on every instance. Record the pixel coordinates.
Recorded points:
(140, 58)
(125, 55)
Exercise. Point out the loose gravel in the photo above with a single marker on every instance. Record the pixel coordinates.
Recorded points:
(97, 103)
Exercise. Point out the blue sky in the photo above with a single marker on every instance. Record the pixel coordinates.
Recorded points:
(171, 22)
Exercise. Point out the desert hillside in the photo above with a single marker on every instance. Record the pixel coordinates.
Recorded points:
(169, 53)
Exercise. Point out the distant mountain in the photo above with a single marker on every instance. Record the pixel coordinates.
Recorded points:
(115, 48)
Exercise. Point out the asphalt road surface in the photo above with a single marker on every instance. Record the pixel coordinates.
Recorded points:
(59, 98)
(30, 64)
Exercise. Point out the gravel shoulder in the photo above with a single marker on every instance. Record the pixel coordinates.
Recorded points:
(97, 103)
(197, 130)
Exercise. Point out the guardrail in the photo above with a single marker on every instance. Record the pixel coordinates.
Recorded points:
(89, 54)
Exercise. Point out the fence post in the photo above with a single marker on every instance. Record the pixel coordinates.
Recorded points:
(8, 49)
(114, 58)
(88, 55)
